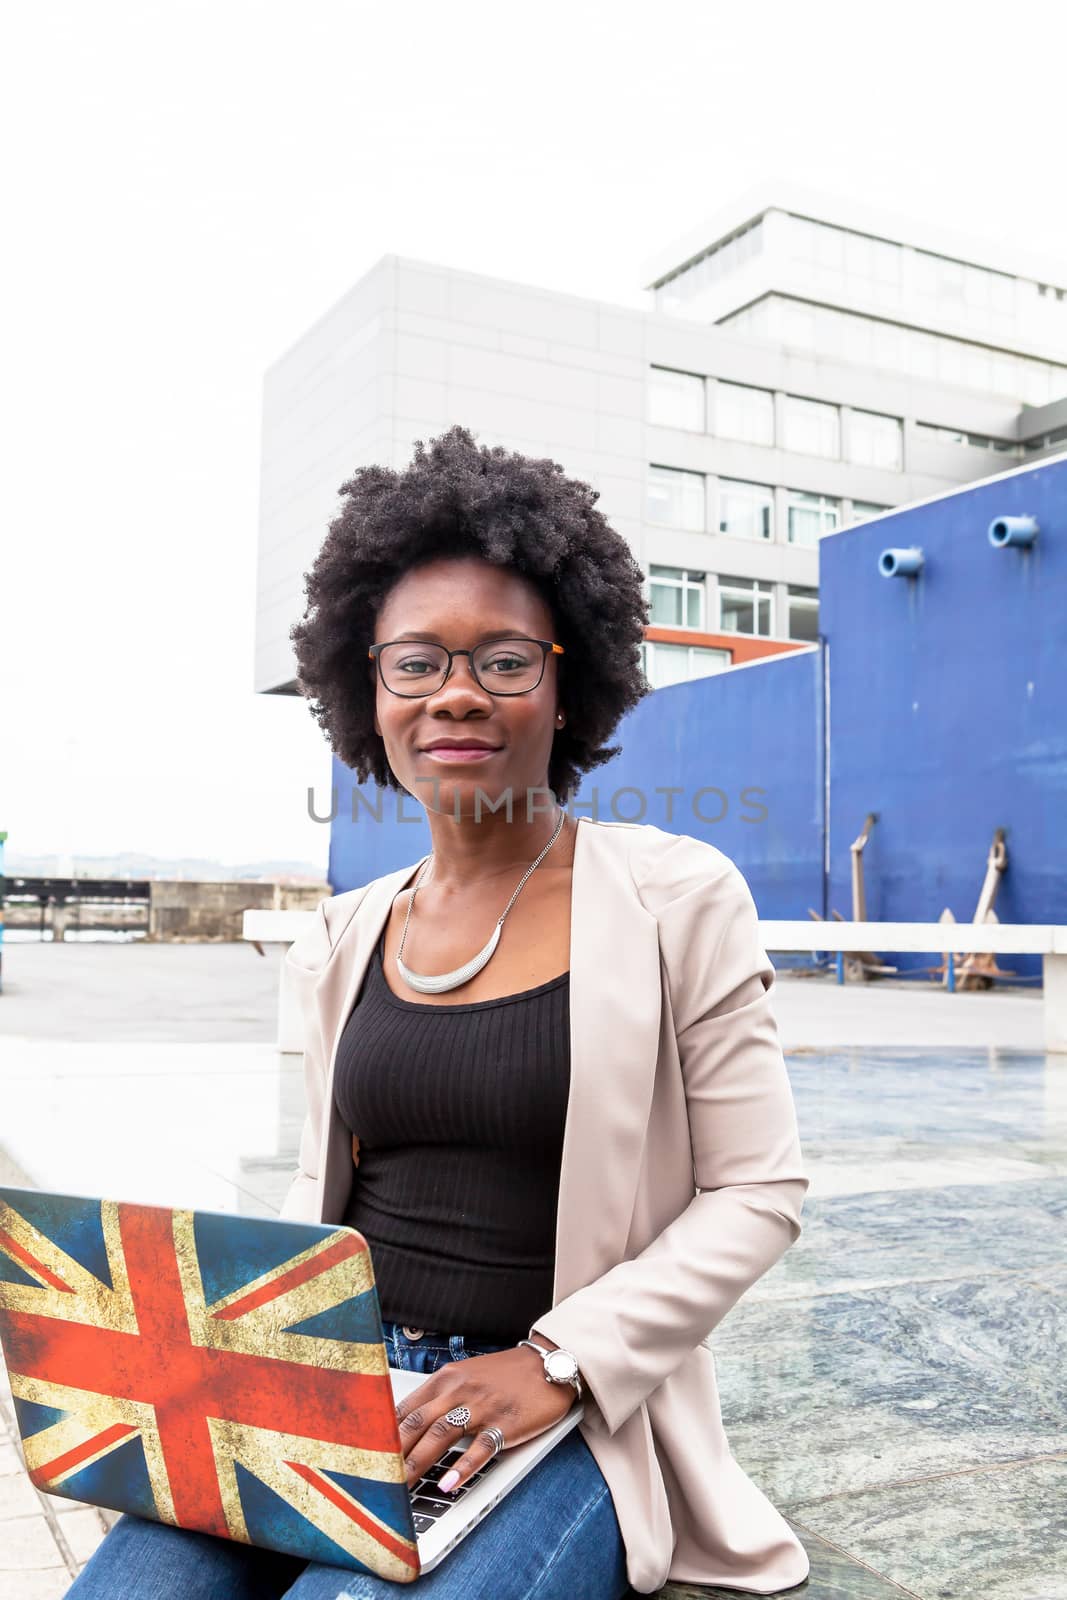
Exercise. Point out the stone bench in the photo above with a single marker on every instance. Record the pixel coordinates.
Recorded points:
(1048, 940)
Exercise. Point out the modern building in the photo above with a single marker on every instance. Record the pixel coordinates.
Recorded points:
(803, 365)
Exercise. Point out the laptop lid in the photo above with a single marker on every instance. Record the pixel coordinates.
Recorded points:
(216, 1372)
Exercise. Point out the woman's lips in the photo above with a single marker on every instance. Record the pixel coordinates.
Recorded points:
(460, 753)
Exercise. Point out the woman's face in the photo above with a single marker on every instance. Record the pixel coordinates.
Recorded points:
(459, 602)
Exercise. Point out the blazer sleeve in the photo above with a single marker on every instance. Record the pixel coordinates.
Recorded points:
(304, 961)
(631, 1328)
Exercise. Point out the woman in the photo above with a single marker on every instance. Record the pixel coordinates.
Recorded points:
(543, 1072)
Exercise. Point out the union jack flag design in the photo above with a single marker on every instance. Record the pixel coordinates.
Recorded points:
(209, 1371)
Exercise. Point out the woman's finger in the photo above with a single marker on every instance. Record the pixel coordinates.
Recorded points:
(481, 1451)
(425, 1435)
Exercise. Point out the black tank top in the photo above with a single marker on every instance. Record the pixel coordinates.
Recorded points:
(460, 1112)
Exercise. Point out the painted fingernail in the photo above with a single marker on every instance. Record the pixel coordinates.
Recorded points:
(449, 1480)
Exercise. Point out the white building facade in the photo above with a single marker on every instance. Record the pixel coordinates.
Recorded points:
(798, 371)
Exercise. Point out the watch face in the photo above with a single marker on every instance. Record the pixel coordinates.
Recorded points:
(561, 1366)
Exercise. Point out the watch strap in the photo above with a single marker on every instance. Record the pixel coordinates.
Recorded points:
(544, 1354)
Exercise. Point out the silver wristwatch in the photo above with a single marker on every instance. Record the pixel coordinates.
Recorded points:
(560, 1365)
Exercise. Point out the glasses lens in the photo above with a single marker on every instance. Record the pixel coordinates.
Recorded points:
(412, 667)
(508, 666)
(503, 666)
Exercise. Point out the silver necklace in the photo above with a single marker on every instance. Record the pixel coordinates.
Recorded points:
(452, 980)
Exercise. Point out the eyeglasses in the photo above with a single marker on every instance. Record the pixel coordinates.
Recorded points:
(500, 666)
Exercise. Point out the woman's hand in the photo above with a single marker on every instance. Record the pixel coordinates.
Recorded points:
(506, 1389)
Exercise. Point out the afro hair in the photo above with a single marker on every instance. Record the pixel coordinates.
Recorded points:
(459, 498)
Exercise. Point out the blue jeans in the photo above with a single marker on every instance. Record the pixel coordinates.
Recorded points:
(553, 1537)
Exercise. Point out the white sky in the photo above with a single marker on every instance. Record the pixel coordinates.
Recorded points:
(187, 187)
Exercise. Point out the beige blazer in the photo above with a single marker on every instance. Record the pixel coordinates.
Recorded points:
(681, 1181)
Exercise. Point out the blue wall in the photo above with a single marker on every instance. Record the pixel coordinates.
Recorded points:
(361, 847)
(948, 696)
(751, 740)
(947, 702)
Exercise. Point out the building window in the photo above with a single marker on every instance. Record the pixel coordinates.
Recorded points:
(803, 606)
(863, 510)
(746, 510)
(871, 341)
(675, 498)
(746, 606)
(1046, 441)
(811, 515)
(812, 428)
(664, 664)
(676, 399)
(687, 292)
(744, 413)
(677, 598)
(977, 441)
(875, 440)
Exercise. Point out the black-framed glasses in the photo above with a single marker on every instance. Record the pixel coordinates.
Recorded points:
(413, 667)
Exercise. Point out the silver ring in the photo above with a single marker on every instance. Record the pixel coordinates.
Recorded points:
(459, 1416)
(497, 1437)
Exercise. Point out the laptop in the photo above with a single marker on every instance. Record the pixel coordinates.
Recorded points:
(227, 1374)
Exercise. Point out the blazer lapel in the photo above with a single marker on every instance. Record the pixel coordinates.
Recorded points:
(335, 995)
(615, 1005)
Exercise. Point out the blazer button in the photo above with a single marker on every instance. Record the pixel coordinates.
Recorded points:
(413, 1333)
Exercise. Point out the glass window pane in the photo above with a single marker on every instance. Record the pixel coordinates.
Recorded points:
(665, 606)
(1002, 293)
(829, 248)
(675, 399)
(803, 525)
(863, 509)
(665, 664)
(705, 663)
(887, 259)
(744, 413)
(670, 664)
(795, 324)
(810, 516)
(950, 279)
(889, 346)
(675, 498)
(745, 509)
(744, 606)
(677, 603)
(811, 427)
(737, 612)
(867, 341)
(859, 256)
(803, 617)
(976, 287)
(875, 441)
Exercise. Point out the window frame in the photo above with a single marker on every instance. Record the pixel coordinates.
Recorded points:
(677, 372)
(801, 500)
(829, 407)
(677, 472)
(690, 582)
(756, 589)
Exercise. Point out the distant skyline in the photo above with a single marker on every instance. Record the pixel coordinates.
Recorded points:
(136, 864)
(195, 186)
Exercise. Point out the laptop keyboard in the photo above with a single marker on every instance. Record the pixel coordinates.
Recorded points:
(428, 1502)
